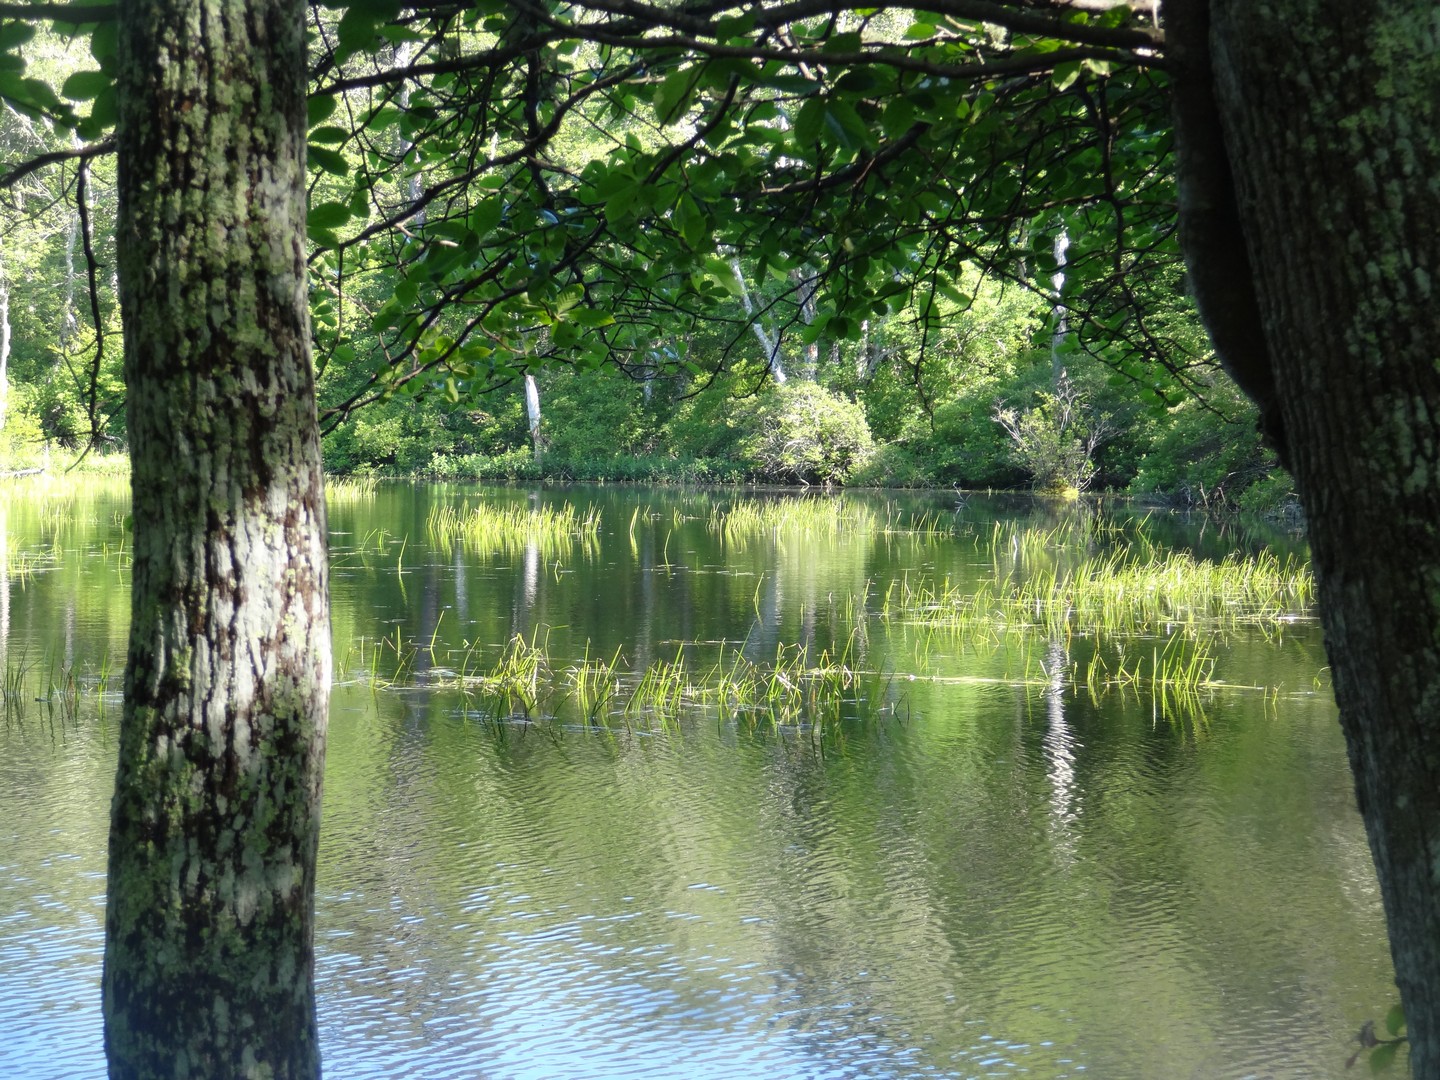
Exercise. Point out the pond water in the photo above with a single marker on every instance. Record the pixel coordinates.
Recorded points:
(962, 862)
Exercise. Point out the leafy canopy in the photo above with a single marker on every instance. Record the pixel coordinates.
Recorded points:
(497, 185)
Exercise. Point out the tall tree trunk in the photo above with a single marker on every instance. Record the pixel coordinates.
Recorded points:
(769, 342)
(215, 820)
(4, 347)
(532, 415)
(1329, 122)
(1061, 312)
(69, 317)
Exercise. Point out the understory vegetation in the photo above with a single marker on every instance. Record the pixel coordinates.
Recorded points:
(981, 379)
(993, 413)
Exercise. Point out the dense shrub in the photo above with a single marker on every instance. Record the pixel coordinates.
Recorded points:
(894, 466)
(594, 416)
(1055, 440)
(1207, 453)
(401, 436)
(803, 433)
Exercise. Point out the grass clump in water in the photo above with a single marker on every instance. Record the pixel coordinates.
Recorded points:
(350, 488)
(1111, 595)
(513, 529)
(779, 519)
(819, 517)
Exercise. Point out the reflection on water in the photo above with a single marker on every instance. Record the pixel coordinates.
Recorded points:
(1003, 880)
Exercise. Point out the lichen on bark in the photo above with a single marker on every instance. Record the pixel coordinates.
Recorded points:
(209, 921)
(1329, 122)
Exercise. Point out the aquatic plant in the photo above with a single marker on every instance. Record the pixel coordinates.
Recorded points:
(1110, 594)
(59, 686)
(820, 517)
(551, 533)
(350, 488)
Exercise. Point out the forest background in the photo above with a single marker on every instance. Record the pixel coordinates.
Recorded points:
(986, 387)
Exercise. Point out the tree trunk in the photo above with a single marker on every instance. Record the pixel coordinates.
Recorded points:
(209, 917)
(1060, 311)
(532, 415)
(4, 347)
(769, 343)
(1329, 120)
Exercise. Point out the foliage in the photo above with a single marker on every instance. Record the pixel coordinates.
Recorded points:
(1055, 440)
(1207, 452)
(892, 466)
(803, 433)
(542, 198)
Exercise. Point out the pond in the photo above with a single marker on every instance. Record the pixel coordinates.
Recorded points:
(735, 785)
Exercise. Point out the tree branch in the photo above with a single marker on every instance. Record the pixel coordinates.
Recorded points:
(35, 164)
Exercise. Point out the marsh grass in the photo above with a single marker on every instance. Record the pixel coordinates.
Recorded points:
(345, 489)
(1150, 619)
(789, 693)
(1094, 610)
(555, 534)
(820, 518)
(1112, 595)
(20, 563)
(56, 689)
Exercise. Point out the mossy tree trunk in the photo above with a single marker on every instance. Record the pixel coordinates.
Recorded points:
(209, 919)
(1329, 117)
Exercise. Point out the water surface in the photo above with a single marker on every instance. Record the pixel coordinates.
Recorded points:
(976, 878)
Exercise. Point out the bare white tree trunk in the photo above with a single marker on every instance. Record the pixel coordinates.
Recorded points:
(69, 319)
(1062, 321)
(769, 342)
(808, 287)
(413, 185)
(4, 346)
(532, 414)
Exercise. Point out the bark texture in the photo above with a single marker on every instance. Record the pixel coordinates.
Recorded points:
(209, 918)
(1331, 119)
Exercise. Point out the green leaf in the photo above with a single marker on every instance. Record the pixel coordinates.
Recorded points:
(845, 123)
(1065, 74)
(15, 34)
(332, 136)
(324, 238)
(105, 45)
(104, 111)
(328, 161)
(690, 221)
(812, 333)
(383, 117)
(1395, 1019)
(591, 317)
(568, 298)
(86, 85)
(673, 94)
(328, 215)
(357, 29)
(1383, 1057)
(486, 215)
(722, 272)
(808, 121)
(320, 107)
